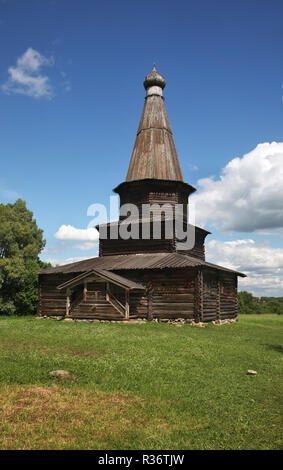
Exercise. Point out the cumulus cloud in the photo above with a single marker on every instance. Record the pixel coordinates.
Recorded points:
(248, 196)
(68, 232)
(262, 264)
(62, 261)
(25, 78)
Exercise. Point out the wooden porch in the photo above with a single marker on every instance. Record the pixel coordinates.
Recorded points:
(99, 294)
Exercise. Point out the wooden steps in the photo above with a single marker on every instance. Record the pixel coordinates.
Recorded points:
(96, 309)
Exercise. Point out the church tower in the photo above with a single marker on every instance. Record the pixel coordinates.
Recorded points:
(154, 178)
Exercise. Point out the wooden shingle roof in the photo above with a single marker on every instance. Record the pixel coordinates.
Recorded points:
(154, 155)
(136, 262)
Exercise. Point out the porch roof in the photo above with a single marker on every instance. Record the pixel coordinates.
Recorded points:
(107, 276)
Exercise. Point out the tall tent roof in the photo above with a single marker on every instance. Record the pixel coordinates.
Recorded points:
(154, 155)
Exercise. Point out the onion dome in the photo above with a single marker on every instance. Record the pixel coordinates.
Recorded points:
(154, 79)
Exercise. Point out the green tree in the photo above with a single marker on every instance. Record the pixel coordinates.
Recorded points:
(247, 303)
(273, 306)
(21, 242)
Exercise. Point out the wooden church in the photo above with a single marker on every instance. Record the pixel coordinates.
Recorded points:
(147, 278)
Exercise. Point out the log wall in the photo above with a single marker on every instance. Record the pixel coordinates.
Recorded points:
(173, 294)
(126, 247)
(228, 296)
(110, 246)
(210, 296)
(198, 250)
(52, 302)
(170, 293)
(157, 192)
(219, 295)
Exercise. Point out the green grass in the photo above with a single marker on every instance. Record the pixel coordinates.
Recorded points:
(141, 386)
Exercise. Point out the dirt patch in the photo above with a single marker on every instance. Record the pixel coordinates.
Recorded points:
(64, 350)
(43, 392)
(49, 417)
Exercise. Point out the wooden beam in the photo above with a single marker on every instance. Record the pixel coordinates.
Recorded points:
(149, 300)
(85, 291)
(236, 296)
(196, 298)
(107, 296)
(127, 304)
(39, 301)
(199, 296)
(68, 302)
(218, 304)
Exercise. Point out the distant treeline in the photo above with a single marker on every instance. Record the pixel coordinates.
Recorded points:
(247, 303)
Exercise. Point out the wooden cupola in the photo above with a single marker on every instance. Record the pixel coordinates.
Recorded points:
(154, 174)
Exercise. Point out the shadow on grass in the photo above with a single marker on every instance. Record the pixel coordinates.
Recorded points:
(274, 347)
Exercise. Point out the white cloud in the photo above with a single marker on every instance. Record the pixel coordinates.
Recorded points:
(62, 261)
(262, 264)
(68, 232)
(25, 77)
(86, 246)
(248, 196)
(66, 245)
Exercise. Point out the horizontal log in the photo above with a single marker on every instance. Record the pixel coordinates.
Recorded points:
(171, 316)
(45, 311)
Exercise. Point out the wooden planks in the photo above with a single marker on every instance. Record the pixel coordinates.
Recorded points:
(219, 295)
(228, 296)
(173, 294)
(51, 301)
(210, 296)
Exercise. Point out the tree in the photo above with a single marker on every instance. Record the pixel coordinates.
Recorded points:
(21, 242)
(246, 303)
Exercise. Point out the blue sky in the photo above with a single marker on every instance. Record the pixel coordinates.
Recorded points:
(66, 140)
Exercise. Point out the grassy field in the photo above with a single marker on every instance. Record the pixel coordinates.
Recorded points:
(149, 386)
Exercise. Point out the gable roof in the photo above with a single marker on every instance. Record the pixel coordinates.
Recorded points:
(136, 262)
(106, 275)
